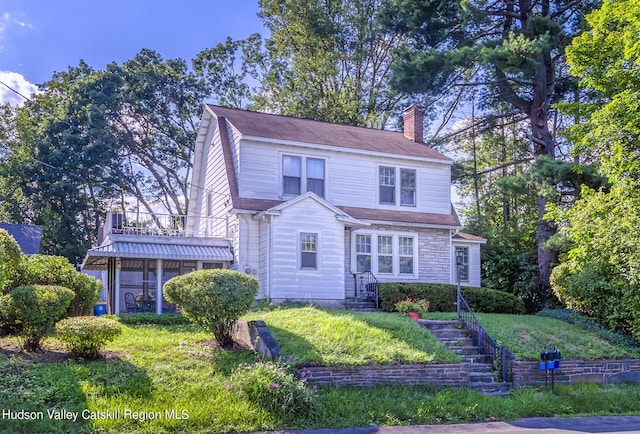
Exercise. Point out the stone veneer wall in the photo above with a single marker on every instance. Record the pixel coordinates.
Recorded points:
(528, 373)
(453, 374)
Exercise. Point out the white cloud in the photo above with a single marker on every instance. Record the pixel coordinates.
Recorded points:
(19, 84)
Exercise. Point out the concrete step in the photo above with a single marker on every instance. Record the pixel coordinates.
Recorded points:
(441, 324)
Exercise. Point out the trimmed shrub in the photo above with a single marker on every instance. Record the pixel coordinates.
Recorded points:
(37, 308)
(11, 258)
(85, 336)
(152, 318)
(273, 386)
(213, 299)
(57, 270)
(442, 297)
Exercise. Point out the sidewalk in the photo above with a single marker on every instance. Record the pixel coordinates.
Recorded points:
(546, 425)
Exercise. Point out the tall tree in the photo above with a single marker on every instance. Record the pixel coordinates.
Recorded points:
(513, 50)
(600, 271)
(328, 60)
(231, 71)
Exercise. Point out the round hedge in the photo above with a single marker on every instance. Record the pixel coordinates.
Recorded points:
(85, 336)
(11, 258)
(213, 299)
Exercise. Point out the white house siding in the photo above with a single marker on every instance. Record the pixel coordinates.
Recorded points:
(288, 280)
(474, 263)
(350, 179)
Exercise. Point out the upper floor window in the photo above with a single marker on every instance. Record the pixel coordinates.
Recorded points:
(298, 177)
(291, 174)
(390, 189)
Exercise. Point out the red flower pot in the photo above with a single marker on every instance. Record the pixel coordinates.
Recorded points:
(413, 315)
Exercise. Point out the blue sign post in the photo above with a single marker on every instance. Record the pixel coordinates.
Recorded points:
(550, 361)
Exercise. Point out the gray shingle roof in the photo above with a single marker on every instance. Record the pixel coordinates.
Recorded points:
(27, 236)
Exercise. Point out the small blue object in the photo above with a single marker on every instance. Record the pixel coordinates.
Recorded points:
(100, 309)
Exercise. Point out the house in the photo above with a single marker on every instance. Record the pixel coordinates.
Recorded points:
(316, 209)
(27, 236)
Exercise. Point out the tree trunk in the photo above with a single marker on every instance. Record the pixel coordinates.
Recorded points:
(543, 144)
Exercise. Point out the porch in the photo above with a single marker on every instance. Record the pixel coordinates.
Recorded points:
(138, 255)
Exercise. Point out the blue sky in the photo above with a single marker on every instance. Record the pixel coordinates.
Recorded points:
(40, 37)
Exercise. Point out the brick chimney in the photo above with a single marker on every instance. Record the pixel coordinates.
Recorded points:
(413, 117)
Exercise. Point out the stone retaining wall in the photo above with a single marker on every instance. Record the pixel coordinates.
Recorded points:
(453, 374)
(528, 373)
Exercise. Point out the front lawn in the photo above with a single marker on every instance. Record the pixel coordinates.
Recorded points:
(331, 336)
(171, 380)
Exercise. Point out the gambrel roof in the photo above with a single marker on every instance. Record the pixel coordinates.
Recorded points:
(279, 128)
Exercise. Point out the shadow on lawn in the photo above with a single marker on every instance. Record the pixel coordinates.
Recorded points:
(47, 391)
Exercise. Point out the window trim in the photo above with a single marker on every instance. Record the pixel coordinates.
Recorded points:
(397, 187)
(374, 234)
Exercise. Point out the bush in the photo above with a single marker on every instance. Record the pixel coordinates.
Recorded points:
(84, 336)
(57, 270)
(213, 299)
(152, 318)
(37, 308)
(442, 297)
(273, 386)
(11, 258)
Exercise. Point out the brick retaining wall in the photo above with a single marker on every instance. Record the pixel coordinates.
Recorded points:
(528, 373)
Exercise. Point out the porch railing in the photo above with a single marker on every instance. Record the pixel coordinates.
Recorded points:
(500, 357)
(366, 286)
(144, 223)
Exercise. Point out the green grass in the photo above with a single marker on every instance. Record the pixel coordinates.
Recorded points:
(527, 335)
(161, 367)
(331, 337)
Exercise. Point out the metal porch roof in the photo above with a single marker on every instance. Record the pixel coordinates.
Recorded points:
(96, 257)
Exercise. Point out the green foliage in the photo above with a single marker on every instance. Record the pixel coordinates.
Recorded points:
(85, 336)
(412, 305)
(37, 308)
(152, 318)
(328, 61)
(213, 299)
(599, 274)
(57, 270)
(10, 262)
(273, 386)
(442, 297)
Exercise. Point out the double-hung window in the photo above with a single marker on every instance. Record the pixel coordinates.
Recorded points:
(390, 189)
(291, 174)
(388, 185)
(385, 253)
(309, 251)
(405, 245)
(315, 176)
(363, 253)
(301, 174)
